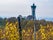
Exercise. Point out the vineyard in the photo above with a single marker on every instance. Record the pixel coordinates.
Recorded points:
(11, 31)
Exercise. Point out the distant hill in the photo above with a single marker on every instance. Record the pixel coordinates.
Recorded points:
(49, 19)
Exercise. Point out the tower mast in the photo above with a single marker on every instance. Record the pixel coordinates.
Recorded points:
(33, 7)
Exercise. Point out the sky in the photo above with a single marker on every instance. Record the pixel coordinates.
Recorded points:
(13, 8)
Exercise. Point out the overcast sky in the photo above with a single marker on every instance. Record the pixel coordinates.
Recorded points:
(10, 8)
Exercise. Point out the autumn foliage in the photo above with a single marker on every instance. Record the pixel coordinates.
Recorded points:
(11, 31)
